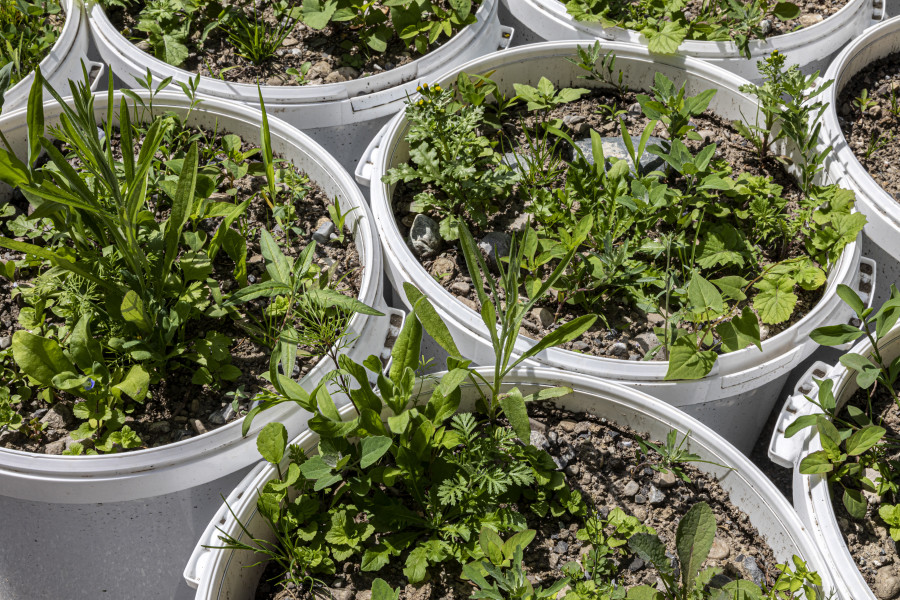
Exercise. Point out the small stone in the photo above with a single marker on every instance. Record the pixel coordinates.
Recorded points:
(39, 413)
(640, 499)
(572, 470)
(753, 571)
(443, 268)
(460, 287)
(582, 427)
(656, 320)
(646, 341)
(719, 581)
(656, 496)
(323, 233)
(539, 440)
(335, 77)
(198, 426)
(636, 565)
(494, 244)
(5, 342)
(56, 447)
(160, 427)
(195, 406)
(274, 81)
(364, 595)
(320, 69)
(425, 237)
(537, 425)
(810, 20)
(552, 436)
(296, 51)
(887, 584)
(181, 434)
(337, 593)
(635, 109)
(58, 416)
(580, 345)
(543, 316)
(561, 547)
(144, 46)
(222, 416)
(719, 550)
(667, 480)
(765, 26)
(470, 303)
(631, 488)
(567, 426)
(347, 72)
(289, 41)
(619, 349)
(707, 135)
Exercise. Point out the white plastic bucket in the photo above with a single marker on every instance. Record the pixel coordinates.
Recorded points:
(736, 397)
(882, 211)
(225, 574)
(811, 47)
(812, 496)
(64, 60)
(122, 525)
(342, 117)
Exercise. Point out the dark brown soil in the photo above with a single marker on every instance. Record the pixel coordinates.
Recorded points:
(335, 52)
(811, 12)
(630, 332)
(175, 408)
(872, 134)
(599, 459)
(870, 543)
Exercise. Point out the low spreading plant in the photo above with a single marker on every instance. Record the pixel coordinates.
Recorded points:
(717, 253)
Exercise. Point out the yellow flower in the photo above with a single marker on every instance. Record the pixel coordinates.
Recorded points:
(437, 88)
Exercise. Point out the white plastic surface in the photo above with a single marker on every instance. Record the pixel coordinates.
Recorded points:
(880, 208)
(222, 575)
(736, 397)
(139, 511)
(810, 47)
(342, 117)
(812, 498)
(62, 63)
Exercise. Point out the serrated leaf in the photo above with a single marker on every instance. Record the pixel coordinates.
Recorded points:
(686, 361)
(416, 565)
(775, 301)
(665, 40)
(740, 332)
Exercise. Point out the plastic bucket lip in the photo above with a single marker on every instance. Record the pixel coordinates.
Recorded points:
(74, 31)
(51, 471)
(716, 49)
(779, 344)
(762, 501)
(112, 40)
(875, 202)
(812, 493)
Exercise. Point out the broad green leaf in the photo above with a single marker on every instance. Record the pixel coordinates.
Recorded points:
(644, 592)
(278, 266)
(855, 503)
(39, 358)
(864, 439)
(740, 332)
(381, 590)
(775, 301)
(514, 409)
(416, 565)
(135, 384)
(315, 468)
(133, 311)
(799, 424)
(665, 40)
(786, 11)
(316, 14)
(272, 442)
(430, 319)
(84, 347)
(491, 545)
(329, 298)
(686, 361)
(866, 371)
(704, 296)
(373, 448)
(374, 559)
(651, 550)
(846, 293)
(693, 541)
(835, 335)
(182, 204)
(732, 287)
(405, 352)
(815, 463)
